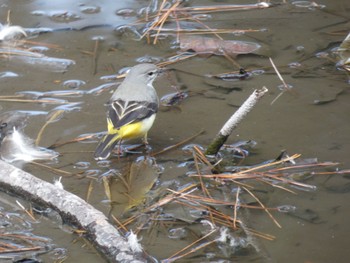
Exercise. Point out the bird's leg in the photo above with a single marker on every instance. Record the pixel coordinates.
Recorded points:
(147, 146)
(118, 150)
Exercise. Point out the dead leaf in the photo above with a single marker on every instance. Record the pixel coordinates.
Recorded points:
(131, 187)
(208, 45)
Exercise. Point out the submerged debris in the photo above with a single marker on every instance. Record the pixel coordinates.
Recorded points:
(209, 45)
(215, 209)
(172, 99)
(242, 74)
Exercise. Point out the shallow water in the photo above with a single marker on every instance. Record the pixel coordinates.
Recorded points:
(293, 123)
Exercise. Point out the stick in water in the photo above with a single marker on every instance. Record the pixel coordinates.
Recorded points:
(235, 119)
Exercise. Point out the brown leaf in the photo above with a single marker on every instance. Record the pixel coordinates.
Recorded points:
(208, 45)
(132, 187)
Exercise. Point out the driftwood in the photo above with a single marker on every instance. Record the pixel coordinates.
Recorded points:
(105, 237)
(234, 120)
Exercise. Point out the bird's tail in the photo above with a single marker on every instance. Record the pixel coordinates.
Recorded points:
(105, 146)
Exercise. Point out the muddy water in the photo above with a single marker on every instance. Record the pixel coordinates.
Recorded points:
(293, 123)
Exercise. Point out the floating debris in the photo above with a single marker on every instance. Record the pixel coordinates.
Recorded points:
(11, 33)
(8, 74)
(18, 147)
(73, 83)
(134, 242)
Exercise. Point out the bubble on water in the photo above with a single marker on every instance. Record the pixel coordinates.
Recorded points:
(322, 55)
(185, 164)
(165, 217)
(34, 32)
(126, 12)
(64, 93)
(190, 147)
(73, 83)
(38, 13)
(68, 107)
(286, 208)
(98, 38)
(89, 137)
(258, 72)
(282, 87)
(160, 168)
(210, 255)
(82, 165)
(98, 90)
(300, 48)
(111, 172)
(336, 49)
(124, 70)
(109, 77)
(92, 173)
(177, 233)
(64, 16)
(195, 213)
(8, 74)
(58, 254)
(238, 33)
(311, 5)
(294, 65)
(161, 36)
(148, 59)
(53, 215)
(128, 31)
(303, 4)
(104, 164)
(90, 9)
(202, 17)
(38, 49)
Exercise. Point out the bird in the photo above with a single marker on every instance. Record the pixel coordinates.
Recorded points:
(131, 110)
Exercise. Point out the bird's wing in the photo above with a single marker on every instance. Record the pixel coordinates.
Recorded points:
(124, 112)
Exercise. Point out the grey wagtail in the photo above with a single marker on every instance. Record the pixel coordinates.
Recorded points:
(131, 109)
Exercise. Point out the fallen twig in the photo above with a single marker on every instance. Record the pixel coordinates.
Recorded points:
(73, 209)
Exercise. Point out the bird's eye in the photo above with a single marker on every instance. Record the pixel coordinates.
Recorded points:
(151, 73)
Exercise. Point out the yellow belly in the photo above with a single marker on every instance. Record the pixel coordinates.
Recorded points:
(133, 130)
